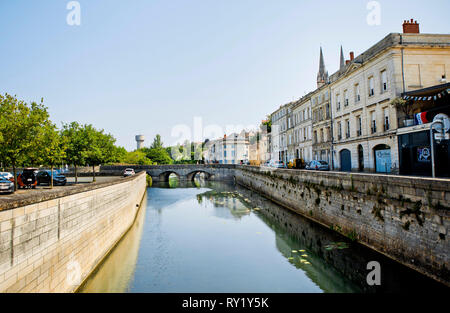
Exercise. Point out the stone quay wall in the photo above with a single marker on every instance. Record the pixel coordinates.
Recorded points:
(405, 218)
(53, 242)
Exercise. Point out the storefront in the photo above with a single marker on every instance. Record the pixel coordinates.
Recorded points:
(414, 142)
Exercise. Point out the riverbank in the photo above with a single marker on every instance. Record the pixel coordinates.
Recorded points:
(50, 242)
(405, 218)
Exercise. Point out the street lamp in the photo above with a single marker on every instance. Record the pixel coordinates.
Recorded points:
(433, 173)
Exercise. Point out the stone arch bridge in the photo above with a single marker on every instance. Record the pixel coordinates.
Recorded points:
(185, 172)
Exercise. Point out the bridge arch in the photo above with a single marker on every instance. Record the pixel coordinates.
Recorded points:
(164, 176)
(191, 175)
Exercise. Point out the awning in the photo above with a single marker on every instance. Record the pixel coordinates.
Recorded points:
(428, 94)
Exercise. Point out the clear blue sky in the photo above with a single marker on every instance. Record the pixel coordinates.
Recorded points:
(143, 66)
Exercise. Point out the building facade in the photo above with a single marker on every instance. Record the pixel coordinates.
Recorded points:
(232, 149)
(278, 134)
(351, 121)
(365, 123)
(303, 129)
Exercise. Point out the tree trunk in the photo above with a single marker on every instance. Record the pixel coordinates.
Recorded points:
(76, 174)
(93, 173)
(15, 176)
(51, 180)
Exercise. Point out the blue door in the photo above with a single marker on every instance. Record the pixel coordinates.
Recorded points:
(383, 161)
(346, 160)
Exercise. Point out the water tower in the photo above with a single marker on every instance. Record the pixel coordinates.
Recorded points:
(140, 141)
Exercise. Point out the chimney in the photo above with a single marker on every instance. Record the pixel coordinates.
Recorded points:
(411, 27)
(347, 62)
(352, 56)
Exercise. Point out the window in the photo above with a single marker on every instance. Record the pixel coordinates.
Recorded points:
(345, 98)
(383, 81)
(339, 131)
(371, 87)
(359, 126)
(347, 131)
(327, 108)
(338, 102)
(357, 93)
(386, 119)
(374, 123)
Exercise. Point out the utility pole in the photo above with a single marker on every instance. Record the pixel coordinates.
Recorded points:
(433, 170)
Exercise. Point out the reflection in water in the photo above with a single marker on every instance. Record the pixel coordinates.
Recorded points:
(116, 271)
(174, 181)
(215, 237)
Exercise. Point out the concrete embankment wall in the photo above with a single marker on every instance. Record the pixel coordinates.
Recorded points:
(54, 243)
(405, 218)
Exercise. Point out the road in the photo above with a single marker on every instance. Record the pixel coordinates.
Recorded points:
(70, 182)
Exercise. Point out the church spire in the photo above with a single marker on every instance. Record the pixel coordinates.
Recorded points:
(342, 60)
(322, 76)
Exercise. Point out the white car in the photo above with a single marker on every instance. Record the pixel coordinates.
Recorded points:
(128, 172)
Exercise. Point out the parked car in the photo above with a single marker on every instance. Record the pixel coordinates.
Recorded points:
(27, 179)
(7, 175)
(6, 186)
(318, 166)
(128, 172)
(45, 176)
(278, 164)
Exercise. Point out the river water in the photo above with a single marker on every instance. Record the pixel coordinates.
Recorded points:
(207, 237)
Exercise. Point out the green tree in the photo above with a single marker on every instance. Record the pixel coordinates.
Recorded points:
(76, 145)
(101, 148)
(52, 147)
(157, 143)
(136, 158)
(21, 125)
(158, 155)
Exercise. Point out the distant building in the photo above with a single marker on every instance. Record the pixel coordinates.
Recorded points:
(140, 141)
(232, 149)
(303, 129)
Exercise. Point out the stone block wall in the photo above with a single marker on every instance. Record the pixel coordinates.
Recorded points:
(405, 218)
(54, 244)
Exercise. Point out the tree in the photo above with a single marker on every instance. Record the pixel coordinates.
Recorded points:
(402, 105)
(21, 124)
(76, 145)
(157, 143)
(52, 146)
(101, 147)
(137, 157)
(158, 155)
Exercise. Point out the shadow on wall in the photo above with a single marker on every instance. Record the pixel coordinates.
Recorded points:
(118, 268)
